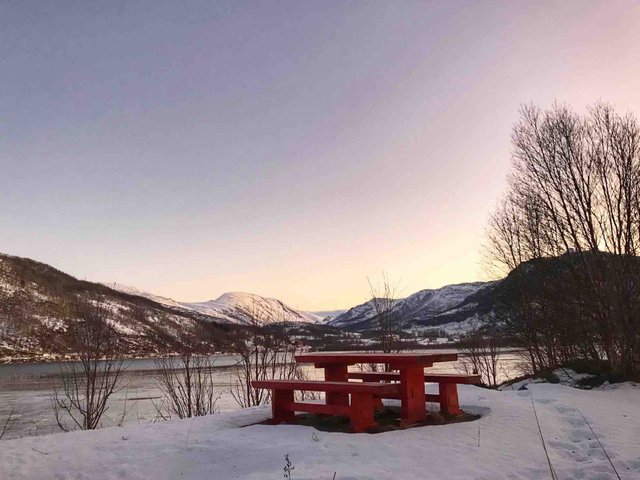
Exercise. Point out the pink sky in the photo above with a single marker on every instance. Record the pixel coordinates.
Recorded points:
(289, 149)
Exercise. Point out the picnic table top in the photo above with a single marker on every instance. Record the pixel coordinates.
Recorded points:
(350, 358)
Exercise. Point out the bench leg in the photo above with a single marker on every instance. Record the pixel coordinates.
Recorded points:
(280, 401)
(449, 399)
(336, 373)
(361, 412)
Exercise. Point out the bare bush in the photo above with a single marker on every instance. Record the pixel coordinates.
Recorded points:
(263, 355)
(188, 385)
(82, 392)
(481, 355)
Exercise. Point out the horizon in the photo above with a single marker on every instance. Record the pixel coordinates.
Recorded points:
(287, 150)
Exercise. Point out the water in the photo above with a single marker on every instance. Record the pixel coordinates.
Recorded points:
(26, 389)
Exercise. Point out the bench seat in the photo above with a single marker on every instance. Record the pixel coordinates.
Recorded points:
(364, 397)
(428, 377)
(447, 386)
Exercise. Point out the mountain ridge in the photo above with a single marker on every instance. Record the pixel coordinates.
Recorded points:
(423, 309)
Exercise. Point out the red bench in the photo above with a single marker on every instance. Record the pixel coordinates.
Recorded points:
(360, 409)
(447, 386)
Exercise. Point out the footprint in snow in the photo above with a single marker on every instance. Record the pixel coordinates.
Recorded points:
(566, 409)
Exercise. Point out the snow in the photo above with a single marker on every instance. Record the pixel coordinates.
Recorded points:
(503, 444)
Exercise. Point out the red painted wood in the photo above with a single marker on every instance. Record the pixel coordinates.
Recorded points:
(361, 412)
(397, 359)
(429, 397)
(412, 395)
(452, 378)
(280, 411)
(373, 388)
(319, 408)
(336, 373)
(449, 399)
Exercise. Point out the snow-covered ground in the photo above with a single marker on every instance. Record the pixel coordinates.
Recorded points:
(504, 444)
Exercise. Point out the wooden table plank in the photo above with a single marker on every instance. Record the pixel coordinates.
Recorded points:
(351, 358)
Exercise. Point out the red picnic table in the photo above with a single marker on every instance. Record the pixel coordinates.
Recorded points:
(410, 365)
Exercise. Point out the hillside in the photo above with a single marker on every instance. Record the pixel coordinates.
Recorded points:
(233, 307)
(452, 304)
(34, 314)
(34, 318)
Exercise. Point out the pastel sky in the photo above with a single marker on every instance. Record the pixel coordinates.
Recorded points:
(289, 149)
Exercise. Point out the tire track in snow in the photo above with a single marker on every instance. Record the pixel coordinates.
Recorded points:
(572, 447)
(599, 442)
(554, 476)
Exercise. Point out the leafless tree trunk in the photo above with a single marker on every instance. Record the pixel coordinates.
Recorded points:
(81, 395)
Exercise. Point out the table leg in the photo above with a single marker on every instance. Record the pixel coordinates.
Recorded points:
(449, 399)
(412, 395)
(361, 412)
(336, 373)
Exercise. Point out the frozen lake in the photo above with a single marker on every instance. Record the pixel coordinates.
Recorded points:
(26, 389)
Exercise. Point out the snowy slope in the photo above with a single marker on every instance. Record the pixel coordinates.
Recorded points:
(360, 314)
(169, 302)
(503, 444)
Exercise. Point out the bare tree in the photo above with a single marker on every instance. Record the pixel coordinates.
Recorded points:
(388, 322)
(575, 193)
(188, 385)
(85, 386)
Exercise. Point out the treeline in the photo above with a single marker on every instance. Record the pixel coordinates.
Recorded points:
(568, 230)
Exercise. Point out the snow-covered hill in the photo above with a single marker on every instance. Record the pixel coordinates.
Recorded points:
(169, 302)
(452, 303)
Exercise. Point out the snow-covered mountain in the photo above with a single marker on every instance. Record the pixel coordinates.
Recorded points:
(362, 313)
(235, 307)
(452, 303)
(244, 308)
